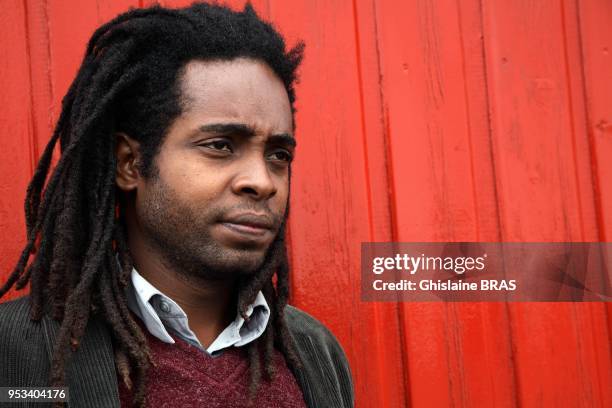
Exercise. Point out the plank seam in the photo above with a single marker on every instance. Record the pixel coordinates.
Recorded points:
(384, 115)
(571, 119)
(590, 136)
(32, 137)
(512, 345)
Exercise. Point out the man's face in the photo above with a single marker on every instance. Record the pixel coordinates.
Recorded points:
(219, 195)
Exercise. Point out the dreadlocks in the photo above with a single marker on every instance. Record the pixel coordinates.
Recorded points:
(76, 257)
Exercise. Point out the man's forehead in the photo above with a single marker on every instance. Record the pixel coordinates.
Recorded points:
(201, 79)
(240, 90)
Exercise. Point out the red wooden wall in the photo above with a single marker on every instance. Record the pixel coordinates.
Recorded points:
(419, 120)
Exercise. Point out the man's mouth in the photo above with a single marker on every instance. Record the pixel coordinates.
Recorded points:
(251, 225)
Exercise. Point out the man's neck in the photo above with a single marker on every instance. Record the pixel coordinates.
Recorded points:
(210, 305)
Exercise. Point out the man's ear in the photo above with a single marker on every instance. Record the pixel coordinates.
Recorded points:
(127, 151)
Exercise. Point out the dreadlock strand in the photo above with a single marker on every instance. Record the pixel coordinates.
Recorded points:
(96, 262)
(285, 341)
(41, 257)
(123, 253)
(36, 184)
(67, 256)
(19, 274)
(74, 312)
(248, 291)
(254, 368)
(268, 335)
(122, 363)
(38, 271)
(121, 333)
(119, 295)
(249, 288)
(20, 268)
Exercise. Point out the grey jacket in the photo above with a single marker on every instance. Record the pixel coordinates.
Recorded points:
(26, 348)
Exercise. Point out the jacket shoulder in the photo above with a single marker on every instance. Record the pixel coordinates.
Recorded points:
(15, 315)
(302, 324)
(23, 354)
(325, 363)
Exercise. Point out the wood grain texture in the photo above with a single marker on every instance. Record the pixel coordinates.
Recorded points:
(595, 35)
(19, 150)
(450, 120)
(539, 150)
(436, 116)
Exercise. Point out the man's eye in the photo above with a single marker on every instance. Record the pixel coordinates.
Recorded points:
(220, 145)
(281, 155)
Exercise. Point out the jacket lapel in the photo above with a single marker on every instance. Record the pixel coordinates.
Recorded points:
(90, 374)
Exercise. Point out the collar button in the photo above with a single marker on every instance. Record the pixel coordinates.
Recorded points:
(164, 306)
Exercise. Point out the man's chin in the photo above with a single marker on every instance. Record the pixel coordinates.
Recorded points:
(228, 264)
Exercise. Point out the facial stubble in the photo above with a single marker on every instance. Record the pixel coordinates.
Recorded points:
(180, 234)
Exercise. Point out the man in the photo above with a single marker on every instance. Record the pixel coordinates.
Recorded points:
(152, 247)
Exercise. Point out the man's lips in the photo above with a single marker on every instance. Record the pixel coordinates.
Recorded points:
(249, 224)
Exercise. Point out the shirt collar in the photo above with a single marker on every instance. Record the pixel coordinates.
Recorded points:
(159, 313)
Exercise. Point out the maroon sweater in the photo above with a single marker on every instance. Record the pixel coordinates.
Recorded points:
(185, 376)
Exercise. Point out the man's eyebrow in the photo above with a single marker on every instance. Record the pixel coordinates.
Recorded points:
(245, 130)
(283, 138)
(225, 128)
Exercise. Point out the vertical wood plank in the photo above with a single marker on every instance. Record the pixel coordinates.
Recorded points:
(435, 106)
(390, 359)
(596, 50)
(591, 318)
(16, 134)
(595, 32)
(37, 40)
(538, 133)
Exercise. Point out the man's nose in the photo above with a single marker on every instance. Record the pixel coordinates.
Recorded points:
(254, 179)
